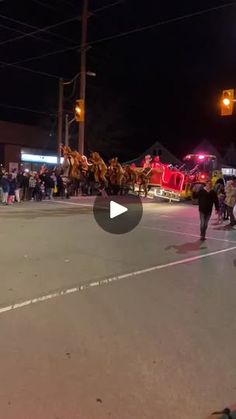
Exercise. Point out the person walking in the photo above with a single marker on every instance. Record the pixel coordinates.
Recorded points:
(230, 201)
(207, 197)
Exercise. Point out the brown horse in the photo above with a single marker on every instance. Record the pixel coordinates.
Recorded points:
(117, 173)
(100, 168)
(143, 178)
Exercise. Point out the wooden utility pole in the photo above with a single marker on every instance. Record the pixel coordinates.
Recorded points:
(83, 72)
(60, 121)
(67, 130)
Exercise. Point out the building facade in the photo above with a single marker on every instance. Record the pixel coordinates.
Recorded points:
(18, 139)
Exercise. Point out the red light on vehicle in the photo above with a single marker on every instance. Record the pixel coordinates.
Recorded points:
(202, 176)
(188, 157)
(201, 157)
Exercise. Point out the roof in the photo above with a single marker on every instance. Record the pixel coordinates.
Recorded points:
(230, 156)
(206, 147)
(157, 148)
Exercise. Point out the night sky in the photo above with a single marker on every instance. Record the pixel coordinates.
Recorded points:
(158, 84)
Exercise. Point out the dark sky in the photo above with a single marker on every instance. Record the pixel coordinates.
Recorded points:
(163, 83)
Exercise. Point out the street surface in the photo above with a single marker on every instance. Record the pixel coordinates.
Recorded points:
(96, 326)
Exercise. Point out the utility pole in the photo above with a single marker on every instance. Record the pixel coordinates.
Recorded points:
(83, 71)
(67, 130)
(60, 121)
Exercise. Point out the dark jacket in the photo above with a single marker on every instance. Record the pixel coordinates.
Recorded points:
(19, 180)
(206, 200)
(12, 187)
(5, 184)
(49, 182)
(25, 181)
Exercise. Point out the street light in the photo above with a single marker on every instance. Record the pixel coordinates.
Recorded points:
(88, 73)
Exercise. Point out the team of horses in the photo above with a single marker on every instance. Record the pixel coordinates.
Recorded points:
(113, 177)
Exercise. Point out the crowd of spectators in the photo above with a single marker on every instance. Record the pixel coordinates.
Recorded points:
(26, 186)
(226, 194)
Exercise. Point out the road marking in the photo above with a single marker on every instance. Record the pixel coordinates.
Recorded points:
(74, 203)
(178, 221)
(106, 281)
(181, 233)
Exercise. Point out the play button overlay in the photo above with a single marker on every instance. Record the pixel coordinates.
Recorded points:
(116, 209)
(118, 214)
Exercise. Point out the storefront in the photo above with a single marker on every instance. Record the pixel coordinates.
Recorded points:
(33, 161)
(228, 171)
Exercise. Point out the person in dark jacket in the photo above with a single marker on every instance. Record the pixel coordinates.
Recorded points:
(5, 188)
(12, 189)
(207, 197)
(60, 186)
(25, 186)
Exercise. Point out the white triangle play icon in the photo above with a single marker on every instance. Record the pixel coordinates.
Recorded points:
(116, 209)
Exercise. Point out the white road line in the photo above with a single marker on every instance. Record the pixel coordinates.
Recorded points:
(110, 280)
(178, 221)
(73, 203)
(181, 233)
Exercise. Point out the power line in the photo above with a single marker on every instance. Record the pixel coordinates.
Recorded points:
(22, 32)
(38, 30)
(19, 22)
(107, 6)
(116, 36)
(161, 23)
(47, 6)
(126, 33)
(20, 108)
(47, 28)
(30, 70)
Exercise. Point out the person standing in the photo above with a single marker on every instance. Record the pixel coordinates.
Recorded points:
(32, 184)
(12, 189)
(5, 184)
(230, 201)
(207, 197)
(25, 186)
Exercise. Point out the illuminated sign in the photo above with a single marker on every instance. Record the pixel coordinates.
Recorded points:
(35, 158)
(228, 171)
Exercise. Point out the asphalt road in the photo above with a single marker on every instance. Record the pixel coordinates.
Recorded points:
(97, 326)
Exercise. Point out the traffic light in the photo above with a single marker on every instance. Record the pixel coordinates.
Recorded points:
(227, 102)
(79, 110)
